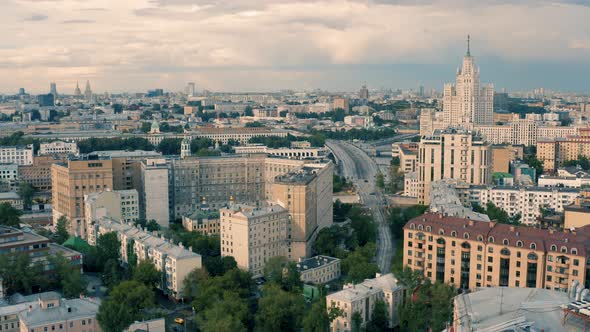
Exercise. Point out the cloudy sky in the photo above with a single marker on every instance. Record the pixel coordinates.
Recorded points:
(257, 45)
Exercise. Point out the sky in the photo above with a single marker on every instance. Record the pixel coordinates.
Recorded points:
(269, 45)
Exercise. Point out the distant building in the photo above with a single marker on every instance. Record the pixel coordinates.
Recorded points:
(361, 298)
(12, 198)
(88, 92)
(47, 100)
(555, 152)
(53, 90)
(152, 325)
(467, 101)
(119, 205)
(58, 147)
(319, 269)
(502, 155)
(9, 178)
(342, 103)
(154, 199)
(364, 93)
(39, 173)
(20, 155)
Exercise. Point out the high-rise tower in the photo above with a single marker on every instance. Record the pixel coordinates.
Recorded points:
(88, 92)
(468, 102)
(53, 89)
(77, 91)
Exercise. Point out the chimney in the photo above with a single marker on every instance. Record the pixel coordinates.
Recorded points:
(471, 222)
(512, 228)
(551, 231)
(492, 224)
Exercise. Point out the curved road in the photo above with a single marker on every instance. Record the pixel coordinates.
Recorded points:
(359, 168)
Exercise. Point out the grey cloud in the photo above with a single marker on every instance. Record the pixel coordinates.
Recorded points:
(94, 9)
(37, 18)
(77, 21)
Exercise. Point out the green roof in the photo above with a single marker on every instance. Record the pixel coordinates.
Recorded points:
(76, 243)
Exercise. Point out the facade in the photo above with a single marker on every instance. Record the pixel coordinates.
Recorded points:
(202, 221)
(253, 235)
(58, 147)
(362, 297)
(341, 102)
(71, 181)
(408, 158)
(39, 173)
(411, 184)
(12, 198)
(154, 200)
(467, 101)
(174, 261)
(502, 155)
(523, 132)
(452, 154)
(52, 313)
(555, 152)
(20, 155)
(8, 177)
(319, 269)
(430, 120)
(242, 135)
(119, 205)
(295, 153)
(473, 254)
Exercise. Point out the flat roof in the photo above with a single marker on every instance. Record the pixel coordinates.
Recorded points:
(314, 262)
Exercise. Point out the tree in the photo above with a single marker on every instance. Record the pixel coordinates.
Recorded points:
(9, 216)
(111, 275)
(169, 146)
(61, 230)
(228, 314)
(316, 319)
(108, 247)
(279, 310)
(146, 273)
(70, 278)
(26, 192)
(357, 321)
(358, 265)
(20, 274)
(124, 305)
(282, 272)
(380, 181)
(380, 318)
(248, 111)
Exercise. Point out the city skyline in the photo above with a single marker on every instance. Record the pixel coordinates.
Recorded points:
(272, 45)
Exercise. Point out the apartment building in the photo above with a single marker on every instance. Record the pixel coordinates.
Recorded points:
(307, 194)
(473, 254)
(39, 173)
(430, 120)
(411, 184)
(503, 154)
(119, 205)
(58, 147)
(296, 153)
(452, 154)
(51, 313)
(319, 269)
(523, 132)
(240, 134)
(526, 201)
(341, 102)
(12, 198)
(8, 177)
(71, 181)
(555, 152)
(252, 235)
(362, 297)
(174, 261)
(204, 221)
(154, 198)
(20, 155)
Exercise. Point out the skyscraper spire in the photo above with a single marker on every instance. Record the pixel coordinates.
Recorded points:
(468, 46)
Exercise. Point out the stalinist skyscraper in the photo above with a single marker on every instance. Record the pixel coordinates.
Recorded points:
(468, 102)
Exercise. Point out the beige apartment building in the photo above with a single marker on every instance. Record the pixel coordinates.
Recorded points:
(54, 314)
(452, 154)
(341, 102)
(252, 235)
(119, 205)
(39, 173)
(555, 152)
(58, 147)
(71, 181)
(362, 297)
(307, 194)
(174, 261)
(502, 155)
(319, 269)
(472, 254)
(154, 196)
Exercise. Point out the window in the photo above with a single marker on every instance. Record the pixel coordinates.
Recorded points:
(519, 243)
(465, 235)
(505, 242)
(564, 250)
(480, 238)
(491, 239)
(553, 248)
(428, 229)
(453, 233)
(574, 251)
(533, 246)
(412, 226)
(441, 232)
(490, 250)
(420, 227)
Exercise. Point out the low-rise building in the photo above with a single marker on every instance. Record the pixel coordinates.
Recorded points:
(174, 261)
(119, 205)
(296, 153)
(202, 221)
(39, 173)
(8, 177)
(51, 313)
(12, 198)
(58, 147)
(152, 325)
(20, 155)
(319, 269)
(362, 297)
(411, 184)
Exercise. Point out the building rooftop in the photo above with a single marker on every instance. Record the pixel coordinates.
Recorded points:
(314, 262)
(9, 195)
(303, 175)
(352, 293)
(67, 310)
(511, 309)
(126, 153)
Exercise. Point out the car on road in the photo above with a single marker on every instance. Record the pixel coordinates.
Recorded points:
(179, 320)
(366, 181)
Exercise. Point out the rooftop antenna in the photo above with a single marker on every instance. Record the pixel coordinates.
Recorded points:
(468, 46)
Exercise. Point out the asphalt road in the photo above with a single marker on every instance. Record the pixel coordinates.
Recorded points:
(358, 167)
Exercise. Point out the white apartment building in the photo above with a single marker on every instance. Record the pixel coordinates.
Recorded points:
(295, 153)
(253, 235)
(153, 201)
(362, 297)
(563, 181)
(526, 201)
(119, 205)
(8, 177)
(522, 132)
(411, 184)
(59, 147)
(468, 101)
(174, 261)
(319, 269)
(20, 155)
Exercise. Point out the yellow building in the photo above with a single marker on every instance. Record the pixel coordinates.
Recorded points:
(502, 155)
(472, 254)
(555, 152)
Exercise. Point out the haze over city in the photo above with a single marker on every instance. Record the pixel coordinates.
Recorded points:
(261, 45)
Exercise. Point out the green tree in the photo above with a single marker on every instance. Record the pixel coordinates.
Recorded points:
(146, 273)
(26, 192)
(228, 314)
(248, 111)
(279, 310)
(20, 274)
(380, 318)
(279, 270)
(9, 216)
(61, 230)
(357, 321)
(380, 181)
(111, 274)
(71, 280)
(124, 305)
(358, 265)
(108, 247)
(169, 146)
(316, 319)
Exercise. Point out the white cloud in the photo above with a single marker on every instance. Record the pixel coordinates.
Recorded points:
(135, 44)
